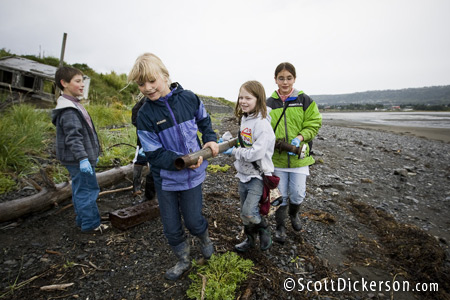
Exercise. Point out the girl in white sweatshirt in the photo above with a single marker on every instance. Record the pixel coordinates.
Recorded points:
(257, 145)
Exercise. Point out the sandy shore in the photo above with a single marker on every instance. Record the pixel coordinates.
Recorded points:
(439, 134)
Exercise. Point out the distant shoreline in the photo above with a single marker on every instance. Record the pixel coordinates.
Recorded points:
(439, 134)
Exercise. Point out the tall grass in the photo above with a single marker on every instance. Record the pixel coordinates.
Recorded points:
(23, 135)
(115, 114)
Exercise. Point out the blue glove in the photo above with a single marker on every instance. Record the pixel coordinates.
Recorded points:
(98, 158)
(85, 166)
(229, 151)
(295, 142)
(220, 141)
(141, 152)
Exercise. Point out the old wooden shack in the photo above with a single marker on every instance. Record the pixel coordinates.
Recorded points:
(26, 80)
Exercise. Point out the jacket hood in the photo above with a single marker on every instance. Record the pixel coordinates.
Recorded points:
(62, 103)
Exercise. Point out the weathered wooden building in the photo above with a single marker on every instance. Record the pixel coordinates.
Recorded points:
(27, 80)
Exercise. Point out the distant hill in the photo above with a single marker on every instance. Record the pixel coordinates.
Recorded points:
(435, 95)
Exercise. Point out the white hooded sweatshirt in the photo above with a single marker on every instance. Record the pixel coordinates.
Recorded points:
(259, 141)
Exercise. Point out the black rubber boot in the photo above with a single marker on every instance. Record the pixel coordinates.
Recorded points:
(149, 187)
(251, 231)
(280, 219)
(206, 244)
(293, 214)
(265, 238)
(182, 252)
(137, 171)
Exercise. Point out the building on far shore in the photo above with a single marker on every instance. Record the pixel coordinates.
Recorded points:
(25, 80)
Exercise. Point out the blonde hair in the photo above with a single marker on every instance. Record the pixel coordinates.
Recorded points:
(148, 67)
(256, 89)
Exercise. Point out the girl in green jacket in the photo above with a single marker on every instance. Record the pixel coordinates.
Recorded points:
(295, 119)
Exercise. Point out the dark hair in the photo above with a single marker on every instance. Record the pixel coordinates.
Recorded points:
(285, 66)
(65, 73)
(256, 89)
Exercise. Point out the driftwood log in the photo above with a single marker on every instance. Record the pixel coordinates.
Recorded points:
(48, 196)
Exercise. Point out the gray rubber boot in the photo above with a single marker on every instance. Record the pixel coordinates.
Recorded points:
(293, 214)
(251, 231)
(182, 251)
(280, 219)
(265, 238)
(206, 244)
(137, 171)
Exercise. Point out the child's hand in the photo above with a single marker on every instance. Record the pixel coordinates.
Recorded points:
(229, 151)
(295, 142)
(214, 147)
(199, 162)
(85, 166)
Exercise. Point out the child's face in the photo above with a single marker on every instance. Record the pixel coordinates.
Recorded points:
(285, 81)
(75, 87)
(247, 101)
(154, 89)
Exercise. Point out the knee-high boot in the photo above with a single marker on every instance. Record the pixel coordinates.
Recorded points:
(251, 231)
(265, 238)
(149, 191)
(293, 214)
(280, 218)
(182, 252)
(206, 244)
(137, 171)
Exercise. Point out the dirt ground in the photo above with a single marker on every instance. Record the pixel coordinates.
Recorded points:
(376, 218)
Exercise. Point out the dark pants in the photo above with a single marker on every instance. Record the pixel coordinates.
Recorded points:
(173, 205)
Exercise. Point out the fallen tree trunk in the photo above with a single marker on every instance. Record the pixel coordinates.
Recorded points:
(49, 197)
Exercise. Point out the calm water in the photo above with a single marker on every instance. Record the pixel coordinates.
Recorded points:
(407, 119)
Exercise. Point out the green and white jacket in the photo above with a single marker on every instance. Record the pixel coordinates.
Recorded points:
(302, 116)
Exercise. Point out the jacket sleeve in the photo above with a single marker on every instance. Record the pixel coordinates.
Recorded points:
(71, 124)
(312, 122)
(262, 139)
(156, 154)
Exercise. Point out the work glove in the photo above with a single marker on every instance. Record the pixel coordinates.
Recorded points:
(295, 142)
(220, 141)
(85, 166)
(229, 151)
(141, 152)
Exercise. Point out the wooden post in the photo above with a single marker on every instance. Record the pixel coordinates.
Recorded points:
(61, 62)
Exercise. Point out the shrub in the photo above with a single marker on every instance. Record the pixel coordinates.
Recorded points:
(223, 273)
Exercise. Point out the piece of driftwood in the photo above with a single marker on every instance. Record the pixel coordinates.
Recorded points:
(128, 188)
(56, 287)
(47, 197)
(192, 158)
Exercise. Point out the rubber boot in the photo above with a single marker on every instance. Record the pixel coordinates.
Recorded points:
(251, 231)
(137, 171)
(149, 187)
(182, 252)
(293, 214)
(206, 244)
(265, 238)
(280, 219)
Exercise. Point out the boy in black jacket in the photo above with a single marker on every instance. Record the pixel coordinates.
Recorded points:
(78, 148)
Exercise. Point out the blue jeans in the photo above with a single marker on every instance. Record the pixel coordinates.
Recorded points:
(292, 187)
(173, 205)
(250, 194)
(85, 191)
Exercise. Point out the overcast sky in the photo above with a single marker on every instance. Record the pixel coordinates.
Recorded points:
(212, 47)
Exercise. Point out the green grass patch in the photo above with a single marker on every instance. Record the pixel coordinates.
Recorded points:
(217, 168)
